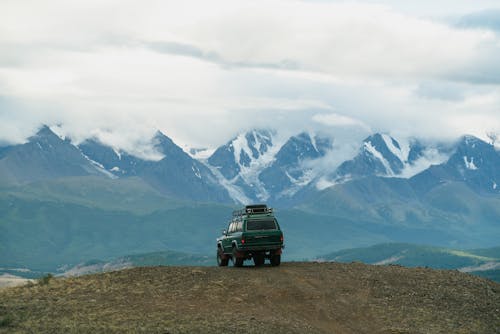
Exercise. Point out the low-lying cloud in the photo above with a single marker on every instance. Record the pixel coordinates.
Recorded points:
(202, 71)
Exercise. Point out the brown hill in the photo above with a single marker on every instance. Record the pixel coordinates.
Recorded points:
(293, 298)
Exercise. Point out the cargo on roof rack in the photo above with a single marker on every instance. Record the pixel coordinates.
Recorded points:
(253, 209)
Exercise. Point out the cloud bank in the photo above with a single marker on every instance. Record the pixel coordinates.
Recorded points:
(201, 71)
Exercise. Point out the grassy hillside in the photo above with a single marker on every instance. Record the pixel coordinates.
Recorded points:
(47, 224)
(292, 298)
(488, 252)
(483, 262)
(165, 258)
(43, 235)
(450, 208)
(126, 194)
(68, 221)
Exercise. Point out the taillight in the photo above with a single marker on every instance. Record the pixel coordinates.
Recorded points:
(242, 241)
(281, 238)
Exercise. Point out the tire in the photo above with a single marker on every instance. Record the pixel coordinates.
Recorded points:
(222, 262)
(259, 259)
(237, 261)
(275, 260)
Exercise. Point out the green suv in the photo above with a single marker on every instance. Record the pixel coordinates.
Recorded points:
(253, 233)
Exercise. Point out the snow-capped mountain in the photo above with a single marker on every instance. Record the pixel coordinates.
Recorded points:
(383, 155)
(255, 166)
(473, 162)
(292, 169)
(243, 154)
(238, 163)
(44, 156)
(47, 156)
(113, 160)
(177, 173)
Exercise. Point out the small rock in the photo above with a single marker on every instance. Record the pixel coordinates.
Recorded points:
(197, 271)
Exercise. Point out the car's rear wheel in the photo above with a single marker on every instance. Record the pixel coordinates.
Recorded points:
(275, 259)
(259, 259)
(237, 261)
(222, 260)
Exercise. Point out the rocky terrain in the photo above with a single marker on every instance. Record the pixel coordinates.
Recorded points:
(293, 298)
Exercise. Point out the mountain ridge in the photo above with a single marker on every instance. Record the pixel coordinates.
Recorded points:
(142, 204)
(254, 166)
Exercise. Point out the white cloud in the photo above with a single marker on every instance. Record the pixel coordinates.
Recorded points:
(201, 71)
(333, 119)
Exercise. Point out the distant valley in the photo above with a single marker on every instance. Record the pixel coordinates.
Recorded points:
(479, 262)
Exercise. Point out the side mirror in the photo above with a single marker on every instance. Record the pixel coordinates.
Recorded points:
(224, 232)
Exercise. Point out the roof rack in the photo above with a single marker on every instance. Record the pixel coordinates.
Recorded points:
(253, 209)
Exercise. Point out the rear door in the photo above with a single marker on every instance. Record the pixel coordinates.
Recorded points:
(262, 232)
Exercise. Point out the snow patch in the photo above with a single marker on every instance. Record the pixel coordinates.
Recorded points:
(250, 174)
(312, 138)
(324, 183)
(234, 191)
(373, 151)
(200, 153)
(196, 171)
(297, 184)
(486, 266)
(118, 154)
(470, 164)
(401, 153)
(389, 260)
(58, 131)
(99, 167)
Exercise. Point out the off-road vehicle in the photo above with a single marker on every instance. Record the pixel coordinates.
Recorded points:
(252, 233)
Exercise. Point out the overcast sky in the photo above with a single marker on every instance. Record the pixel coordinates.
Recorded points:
(201, 71)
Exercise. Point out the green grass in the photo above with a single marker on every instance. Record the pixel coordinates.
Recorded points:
(44, 280)
(42, 235)
(68, 221)
(127, 194)
(6, 320)
(419, 256)
(493, 275)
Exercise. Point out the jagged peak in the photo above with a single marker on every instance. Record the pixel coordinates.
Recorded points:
(46, 134)
(470, 140)
(375, 137)
(45, 131)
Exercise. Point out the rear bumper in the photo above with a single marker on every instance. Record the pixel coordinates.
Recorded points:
(254, 248)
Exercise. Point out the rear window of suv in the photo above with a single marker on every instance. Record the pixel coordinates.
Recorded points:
(256, 225)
